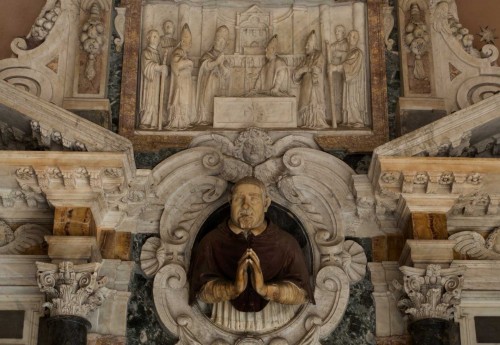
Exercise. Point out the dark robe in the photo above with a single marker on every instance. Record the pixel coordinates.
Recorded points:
(217, 255)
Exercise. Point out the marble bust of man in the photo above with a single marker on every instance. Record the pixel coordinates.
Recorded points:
(253, 272)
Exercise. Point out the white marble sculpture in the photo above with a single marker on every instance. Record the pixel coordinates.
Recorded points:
(213, 78)
(337, 52)
(431, 292)
(24, 238)
(249, 66)
(72, 289)
(120, 28)
(92, 40)
(180, 95)
(167, 41)
(153, 78)
(417, 40)
(310, 75)
(294, 170)
(45, 21)
(167, 44)
(354, 111)
(273, 78)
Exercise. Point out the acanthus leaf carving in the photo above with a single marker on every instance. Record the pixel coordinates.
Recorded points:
(473, 204)
(24, 238)
(388, 24)
(474, 245)
(120, 27)
(71, 289)
(431, 292)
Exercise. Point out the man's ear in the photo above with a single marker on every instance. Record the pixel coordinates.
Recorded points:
(267, 203)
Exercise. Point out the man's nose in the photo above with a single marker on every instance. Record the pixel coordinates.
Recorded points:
(246, 202)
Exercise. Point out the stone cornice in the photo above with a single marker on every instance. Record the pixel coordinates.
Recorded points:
(52, 122)
(86, 179)
(450, 128)
(425, 184)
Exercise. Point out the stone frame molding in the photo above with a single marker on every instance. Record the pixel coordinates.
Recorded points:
(300, 178)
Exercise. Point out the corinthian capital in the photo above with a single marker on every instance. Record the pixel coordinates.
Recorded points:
(431, 292)
(71, 289)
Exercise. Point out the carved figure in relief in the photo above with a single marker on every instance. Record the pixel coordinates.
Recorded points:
(336, 56)
(354, 94)
(252, 272)
(417, 40)
(273, 78)
(213, 78)
(153, 74)
(310, 75)
(167, 42)
(180, 95)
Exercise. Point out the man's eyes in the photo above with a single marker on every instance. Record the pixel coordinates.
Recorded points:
(253, 199)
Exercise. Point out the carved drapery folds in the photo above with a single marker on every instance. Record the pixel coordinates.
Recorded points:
(71, 289)
(312, 185)
(431, 292)
(244, 53)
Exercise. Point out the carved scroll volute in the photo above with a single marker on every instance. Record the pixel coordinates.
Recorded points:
(313, 185)
(196, 195)
(432, 292)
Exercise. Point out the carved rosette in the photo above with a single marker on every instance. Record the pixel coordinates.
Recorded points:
(313, 185)
(431, 292)
(71, 289)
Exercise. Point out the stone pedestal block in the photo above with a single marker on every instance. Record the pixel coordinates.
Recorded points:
(68, 330)
(430, 331)
(268, 112)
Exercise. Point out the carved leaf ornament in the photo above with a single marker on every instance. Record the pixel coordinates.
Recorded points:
(432, 292)
(25, 237)
(311, 184)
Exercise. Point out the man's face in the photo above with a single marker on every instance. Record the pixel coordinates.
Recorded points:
(219, 44)
(168, 28)
(248, 206)
(309, 47)
(270, 52)
(186, 44)
(339, 33)
(154, 39)
(353, 38)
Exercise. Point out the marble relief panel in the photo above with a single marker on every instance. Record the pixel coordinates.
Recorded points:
(315, 56)
(191, 55)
